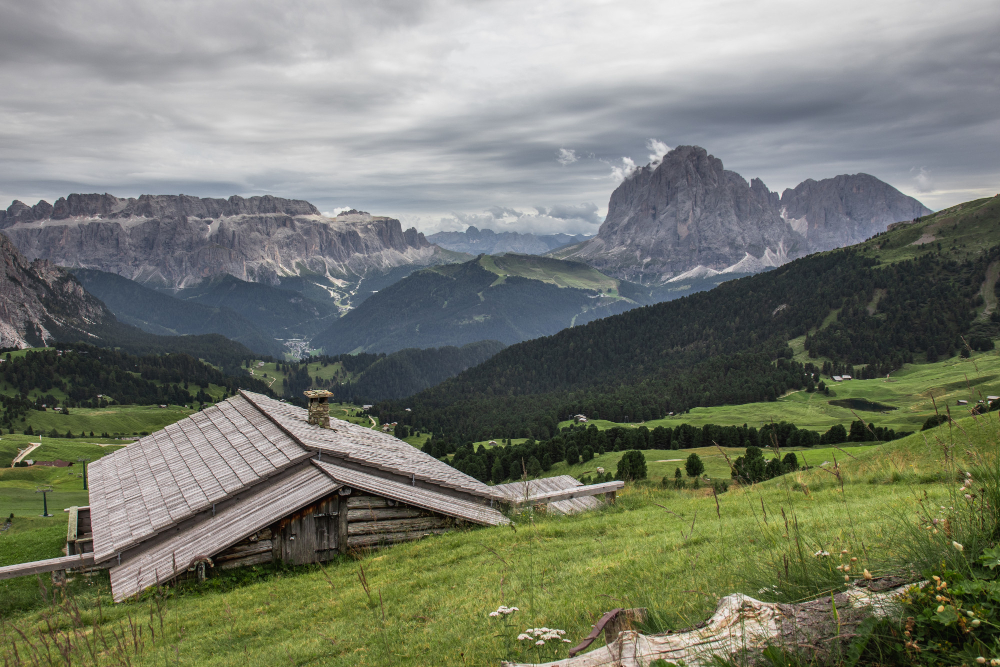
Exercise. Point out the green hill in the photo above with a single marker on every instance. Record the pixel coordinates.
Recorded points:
(280, 313)
(508, 298)
(849, 310)
(164, 315)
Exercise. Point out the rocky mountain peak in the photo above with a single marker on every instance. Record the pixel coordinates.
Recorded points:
(689, 212)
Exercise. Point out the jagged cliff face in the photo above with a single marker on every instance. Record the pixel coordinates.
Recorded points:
(38, 301)
(689, 213)
(685, 212)
(176, 241)
(845, 210)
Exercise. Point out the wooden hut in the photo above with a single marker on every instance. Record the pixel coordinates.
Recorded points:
(253, 480)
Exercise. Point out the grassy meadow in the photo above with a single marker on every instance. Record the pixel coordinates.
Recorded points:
(427, 603)
(913, 391)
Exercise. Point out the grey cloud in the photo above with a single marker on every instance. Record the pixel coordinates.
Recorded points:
(419, 109)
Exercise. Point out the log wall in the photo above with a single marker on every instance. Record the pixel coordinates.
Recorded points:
(372, 521)
(343, 521)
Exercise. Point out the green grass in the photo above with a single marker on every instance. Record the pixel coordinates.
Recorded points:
(913, 390)
(125, 419)
(554, 271)
(430, 599)
(666, 550)
(961, 232)
(270, 369)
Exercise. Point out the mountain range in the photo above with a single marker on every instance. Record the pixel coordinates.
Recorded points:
(688, 211)
(922, 291)
(478, 241)
(176, 241)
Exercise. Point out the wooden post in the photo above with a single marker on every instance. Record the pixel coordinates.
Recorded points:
(610, 497)
(59, 577)
(342, 521)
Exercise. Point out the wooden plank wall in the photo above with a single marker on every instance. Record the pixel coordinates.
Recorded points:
(310, 535)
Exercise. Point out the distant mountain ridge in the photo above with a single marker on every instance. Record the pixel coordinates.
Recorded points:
(476, 241)
(176, 241)
(689, 212)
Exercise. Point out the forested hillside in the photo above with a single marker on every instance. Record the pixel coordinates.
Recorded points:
(729, 346)
(455, 305)
(79, 375)
(367, 378)
(162, 314)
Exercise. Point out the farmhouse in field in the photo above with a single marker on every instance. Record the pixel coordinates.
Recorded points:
(252, 480)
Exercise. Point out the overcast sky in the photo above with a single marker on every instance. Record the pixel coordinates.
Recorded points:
(514, 115)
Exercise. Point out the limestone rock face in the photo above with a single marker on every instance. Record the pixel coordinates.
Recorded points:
(176, 241)
(685, 212)
(38, 301)
(846, 209)
(688, 213)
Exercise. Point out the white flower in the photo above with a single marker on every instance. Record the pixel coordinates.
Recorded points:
(562, 632)
(494, 614)
(511, 610)
(521, 637)
(539, 643)
(821, 554)
(958, 546)
(968, 497)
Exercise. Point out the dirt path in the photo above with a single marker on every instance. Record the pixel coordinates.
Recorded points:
(25, 452)
(987, 290)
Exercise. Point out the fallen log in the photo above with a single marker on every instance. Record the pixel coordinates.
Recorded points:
(743, 625)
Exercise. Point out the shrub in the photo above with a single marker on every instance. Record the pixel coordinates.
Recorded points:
(632, 466)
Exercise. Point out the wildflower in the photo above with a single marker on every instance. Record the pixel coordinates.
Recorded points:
(521, 637)
(970, 614)
(981, 660)
(868, 575)
(821, 554)
(847, 577)
(494, 614)
(940, 609)
(854, 559)
(968, 497)
(958, 546)
(976, 623)
(566, 641)
(540, 643)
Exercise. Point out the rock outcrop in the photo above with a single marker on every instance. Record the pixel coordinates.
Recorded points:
(845, 209)
(689, 213)
(176, 241)
(40, 301)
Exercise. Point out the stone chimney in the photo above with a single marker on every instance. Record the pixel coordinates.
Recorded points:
(319, 409)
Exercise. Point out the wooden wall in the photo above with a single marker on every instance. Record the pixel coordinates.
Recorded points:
(343, 522)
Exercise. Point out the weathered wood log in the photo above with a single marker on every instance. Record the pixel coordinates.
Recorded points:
(357, 502)
(742, 625)
(378, 539)
(384, 514)
(243, 550)
(397, 525)
(255, 559)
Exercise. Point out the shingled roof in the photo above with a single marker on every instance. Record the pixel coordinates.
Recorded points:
(186, 469)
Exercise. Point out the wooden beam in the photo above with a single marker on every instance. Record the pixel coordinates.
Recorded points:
(50, 565)
(567, 494)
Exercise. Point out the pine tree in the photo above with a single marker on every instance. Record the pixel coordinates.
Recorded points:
(694, 466)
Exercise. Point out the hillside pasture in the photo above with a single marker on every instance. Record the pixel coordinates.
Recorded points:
(915, 391)
(675, 552)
